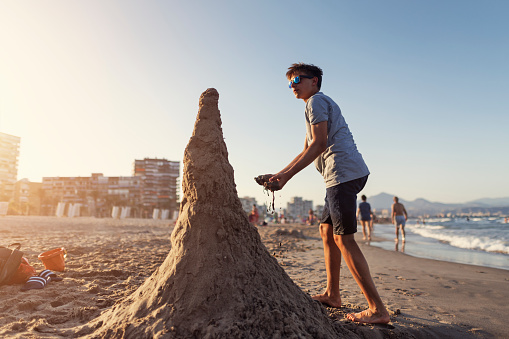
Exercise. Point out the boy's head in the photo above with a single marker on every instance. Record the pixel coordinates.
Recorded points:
(305, 69)
(363, 197)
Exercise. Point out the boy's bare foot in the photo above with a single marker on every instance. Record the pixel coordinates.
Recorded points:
(328, 300)
(368, 316)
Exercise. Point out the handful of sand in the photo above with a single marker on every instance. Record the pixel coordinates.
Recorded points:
(263, 180)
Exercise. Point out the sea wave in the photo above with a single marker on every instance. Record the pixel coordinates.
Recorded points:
(426, 227)
(467, 241)
(438, 220)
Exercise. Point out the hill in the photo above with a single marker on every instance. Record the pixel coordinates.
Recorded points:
(422, 206)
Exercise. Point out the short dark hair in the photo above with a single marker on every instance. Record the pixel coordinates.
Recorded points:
(306, 69)
(363, 197)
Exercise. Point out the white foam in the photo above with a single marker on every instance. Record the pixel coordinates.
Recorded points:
(438, 220)
(465, 240)
(428, 227)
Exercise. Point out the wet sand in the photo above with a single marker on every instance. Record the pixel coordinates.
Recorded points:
(108, 259)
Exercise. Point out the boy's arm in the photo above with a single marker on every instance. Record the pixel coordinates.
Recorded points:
(296, 158)
(306, 157)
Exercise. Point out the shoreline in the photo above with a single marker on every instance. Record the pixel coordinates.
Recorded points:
(429, 248)
(109, 258)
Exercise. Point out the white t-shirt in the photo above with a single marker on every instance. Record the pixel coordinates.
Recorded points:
(341, 161)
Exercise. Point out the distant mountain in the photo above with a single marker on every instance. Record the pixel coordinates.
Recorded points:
(490, 202)
(422, 206)
(381, 201)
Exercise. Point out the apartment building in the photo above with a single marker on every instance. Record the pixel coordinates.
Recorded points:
(27, 198)
(298, 208)
(121, 190)
(158, 183)
(9, 153)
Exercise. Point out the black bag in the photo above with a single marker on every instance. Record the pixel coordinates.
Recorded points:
(9, 262)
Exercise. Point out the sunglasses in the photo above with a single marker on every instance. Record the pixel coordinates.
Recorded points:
(296, 80)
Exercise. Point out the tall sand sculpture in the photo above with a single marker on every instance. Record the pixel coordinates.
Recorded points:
(219, 280)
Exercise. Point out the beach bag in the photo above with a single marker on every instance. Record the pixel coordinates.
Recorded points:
(23, 273)
(10, 259)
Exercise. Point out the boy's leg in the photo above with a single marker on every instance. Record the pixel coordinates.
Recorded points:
(343, 205)
(332, 256)
(358, 266)
(397, 232)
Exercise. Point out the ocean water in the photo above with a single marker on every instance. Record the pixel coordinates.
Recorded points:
(480, 241)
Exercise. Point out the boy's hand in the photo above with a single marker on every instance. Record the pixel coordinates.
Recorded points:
(264, 180)
(278, 181)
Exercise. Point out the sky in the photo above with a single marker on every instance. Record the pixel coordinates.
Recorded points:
(90, 86)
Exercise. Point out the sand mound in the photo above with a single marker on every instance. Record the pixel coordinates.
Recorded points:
(218, 279)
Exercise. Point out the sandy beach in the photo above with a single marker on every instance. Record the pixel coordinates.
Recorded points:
(108, 259)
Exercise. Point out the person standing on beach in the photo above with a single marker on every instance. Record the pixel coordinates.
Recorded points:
(330, 145)
(364, 211)
(311, 217)
(253, 215)
(399, 218)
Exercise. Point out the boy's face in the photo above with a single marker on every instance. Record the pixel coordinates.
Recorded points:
(306, 87)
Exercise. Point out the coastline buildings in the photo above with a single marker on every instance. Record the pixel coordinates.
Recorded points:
(9, 153)
(298, 208)
(154, 185)
(97, 193)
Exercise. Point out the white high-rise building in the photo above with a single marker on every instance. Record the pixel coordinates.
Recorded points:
(298, 207)
(9, 153)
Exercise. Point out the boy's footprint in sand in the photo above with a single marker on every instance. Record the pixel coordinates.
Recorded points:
(456, 282)
(404, 279)
(410, 293)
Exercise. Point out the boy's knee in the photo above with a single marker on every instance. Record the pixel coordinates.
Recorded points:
(325, 231)
(344, 241)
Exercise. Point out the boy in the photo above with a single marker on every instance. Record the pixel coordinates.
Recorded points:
(330, 145)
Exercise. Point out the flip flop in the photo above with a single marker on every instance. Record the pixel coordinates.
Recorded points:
(34, 283)
(40, 281)
(49, 276)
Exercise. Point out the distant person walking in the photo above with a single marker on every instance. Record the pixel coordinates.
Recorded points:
(364, 211)
(399, 217)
